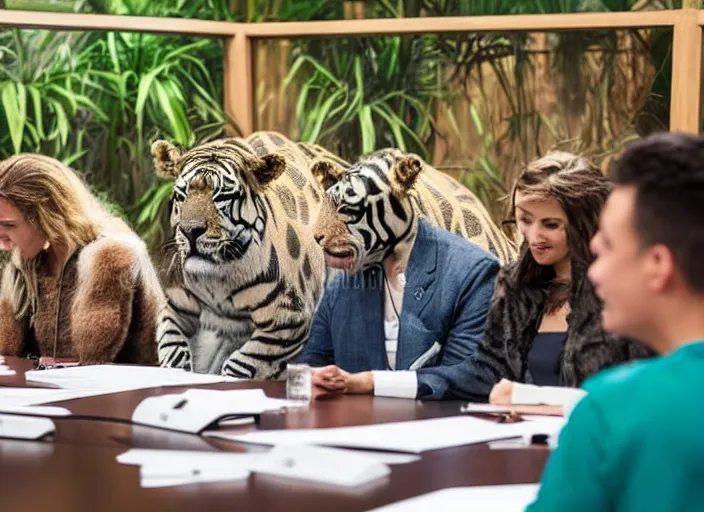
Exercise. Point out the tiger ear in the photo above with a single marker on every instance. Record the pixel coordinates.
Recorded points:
(405, 173)
(166, 158)
(268, 168)
(326, 172)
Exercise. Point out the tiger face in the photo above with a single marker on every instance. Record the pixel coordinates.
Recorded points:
(217, 212)
(368, 212)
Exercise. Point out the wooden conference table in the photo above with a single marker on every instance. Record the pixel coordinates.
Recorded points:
(77, 470)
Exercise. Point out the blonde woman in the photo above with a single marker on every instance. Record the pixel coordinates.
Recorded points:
(79, 283)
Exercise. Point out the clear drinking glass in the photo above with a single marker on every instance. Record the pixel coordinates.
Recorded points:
(299, 383)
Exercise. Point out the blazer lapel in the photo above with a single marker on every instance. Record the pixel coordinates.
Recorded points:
(419, 289)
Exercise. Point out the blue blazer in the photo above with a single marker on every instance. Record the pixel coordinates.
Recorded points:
(449, 285)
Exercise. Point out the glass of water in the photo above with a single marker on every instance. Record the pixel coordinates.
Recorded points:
(299, 383)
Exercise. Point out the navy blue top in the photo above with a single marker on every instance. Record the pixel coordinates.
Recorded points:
(545, 358)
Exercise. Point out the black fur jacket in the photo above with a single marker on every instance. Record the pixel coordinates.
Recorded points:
(513, 322)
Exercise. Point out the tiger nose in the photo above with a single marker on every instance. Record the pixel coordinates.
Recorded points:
(193, 231)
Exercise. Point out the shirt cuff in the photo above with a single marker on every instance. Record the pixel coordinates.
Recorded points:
(397, 384)
(529, 394)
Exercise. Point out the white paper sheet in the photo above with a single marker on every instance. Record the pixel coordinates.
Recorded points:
(24, 427)
(168, 468)
(490, 498)
(241, 400)
(22, 397)
(201, 477)
(113, 378)
(331, 466)
(408, 436)
(173, 462)
(5, 371)
(328, 466)
(37, 410)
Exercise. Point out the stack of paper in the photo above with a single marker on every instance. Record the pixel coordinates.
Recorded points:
(164, 468)
(27, 400)
(408, 436)
(113, 378)
(159, 468)
(494, 498)
(19, 427)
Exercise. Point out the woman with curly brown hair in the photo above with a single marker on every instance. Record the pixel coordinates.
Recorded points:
(544, 331)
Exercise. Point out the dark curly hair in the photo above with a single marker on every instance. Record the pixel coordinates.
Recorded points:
(667, 172)
(581, 189)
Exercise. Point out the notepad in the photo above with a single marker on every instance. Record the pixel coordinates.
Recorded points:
(329, 466)
(490, 498)
(21, 397)
(406, 437)
(113, 378)
(536, 410)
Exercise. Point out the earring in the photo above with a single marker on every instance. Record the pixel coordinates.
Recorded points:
(46, 245)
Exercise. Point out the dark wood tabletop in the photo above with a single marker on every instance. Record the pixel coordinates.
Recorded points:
(77, 470)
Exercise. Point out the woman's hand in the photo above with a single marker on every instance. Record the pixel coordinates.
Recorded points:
(501, 393)
(336, 380)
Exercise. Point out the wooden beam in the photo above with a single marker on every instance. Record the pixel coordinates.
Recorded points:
(239, 82)
(90, 22)
(517, 23)
(686, 92)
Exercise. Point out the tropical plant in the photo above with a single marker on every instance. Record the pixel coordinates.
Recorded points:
(373, 92)
(97, 100)
(42, 91)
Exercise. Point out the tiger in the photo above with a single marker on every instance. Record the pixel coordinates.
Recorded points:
(252, 274)
(434, 196)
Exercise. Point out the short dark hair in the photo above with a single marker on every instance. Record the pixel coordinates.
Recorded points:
(667, 171)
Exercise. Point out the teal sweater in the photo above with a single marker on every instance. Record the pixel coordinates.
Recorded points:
(635, 443)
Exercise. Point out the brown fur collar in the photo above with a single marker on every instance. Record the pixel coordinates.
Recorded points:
(106, 310)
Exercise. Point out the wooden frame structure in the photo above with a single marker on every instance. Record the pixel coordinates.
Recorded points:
(685, 106)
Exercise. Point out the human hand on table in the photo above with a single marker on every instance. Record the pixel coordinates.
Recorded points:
(501, 393)
(333, 379)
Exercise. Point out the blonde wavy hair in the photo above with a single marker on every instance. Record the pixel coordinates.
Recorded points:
(55, 199)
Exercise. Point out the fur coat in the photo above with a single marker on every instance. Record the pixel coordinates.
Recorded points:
(513, 323)
(103, 310)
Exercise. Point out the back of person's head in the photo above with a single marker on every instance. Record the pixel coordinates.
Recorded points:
(649, 266)
(580, 188)
(667, 173)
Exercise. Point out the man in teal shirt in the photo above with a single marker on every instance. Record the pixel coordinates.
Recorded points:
(636, 441)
